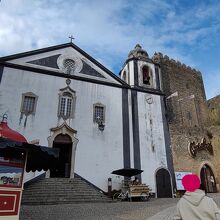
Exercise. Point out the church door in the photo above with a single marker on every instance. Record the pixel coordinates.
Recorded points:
(208, 179)
(63, 166)
(164, 189)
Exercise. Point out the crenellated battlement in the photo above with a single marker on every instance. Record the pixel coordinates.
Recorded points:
(159, 57)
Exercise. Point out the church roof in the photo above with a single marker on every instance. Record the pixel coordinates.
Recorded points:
(8, 61)
(61, 46)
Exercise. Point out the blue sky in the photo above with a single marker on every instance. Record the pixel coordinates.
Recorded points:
(185, 30)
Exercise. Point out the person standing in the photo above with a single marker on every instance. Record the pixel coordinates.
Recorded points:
(195, 205)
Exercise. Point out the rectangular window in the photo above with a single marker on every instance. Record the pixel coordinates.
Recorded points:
(28, 104)
(99, 114)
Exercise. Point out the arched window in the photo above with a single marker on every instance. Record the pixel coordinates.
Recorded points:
(124, 77)
(66, 103)
(146, 75)
(208, 179)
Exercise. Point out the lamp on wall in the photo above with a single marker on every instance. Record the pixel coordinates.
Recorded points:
(5, 117)
(101, 126)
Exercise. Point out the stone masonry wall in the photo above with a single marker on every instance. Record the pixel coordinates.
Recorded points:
(214, 110)
(214, 127)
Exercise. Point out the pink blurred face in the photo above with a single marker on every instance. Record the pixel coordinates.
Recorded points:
(191, 182)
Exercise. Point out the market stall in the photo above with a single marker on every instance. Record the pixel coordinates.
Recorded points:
(16, 156)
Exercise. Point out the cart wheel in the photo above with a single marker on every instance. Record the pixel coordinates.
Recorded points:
(145, 197)
(117, 196)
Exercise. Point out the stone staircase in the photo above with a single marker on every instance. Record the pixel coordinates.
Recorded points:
(61, 191)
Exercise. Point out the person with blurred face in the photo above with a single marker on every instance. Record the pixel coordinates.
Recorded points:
(195, 205)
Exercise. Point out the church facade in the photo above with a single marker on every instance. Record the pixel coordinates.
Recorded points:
(63, 98)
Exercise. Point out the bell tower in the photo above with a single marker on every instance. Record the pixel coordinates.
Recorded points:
(140, 71)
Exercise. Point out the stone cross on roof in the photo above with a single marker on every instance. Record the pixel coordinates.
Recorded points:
(71, 38)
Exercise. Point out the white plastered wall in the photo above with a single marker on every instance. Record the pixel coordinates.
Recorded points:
(152, 143)
(98, 153)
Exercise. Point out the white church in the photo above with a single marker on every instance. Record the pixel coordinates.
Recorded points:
(63, 98)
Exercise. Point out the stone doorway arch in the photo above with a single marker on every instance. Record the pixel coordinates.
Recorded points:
(62, 167)
(208, 180)
(163, 183)
(63, 137)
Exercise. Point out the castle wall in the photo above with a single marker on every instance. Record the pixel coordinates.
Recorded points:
(214, 110)
(187, 116)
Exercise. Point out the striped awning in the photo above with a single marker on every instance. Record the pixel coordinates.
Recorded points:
(38, 157)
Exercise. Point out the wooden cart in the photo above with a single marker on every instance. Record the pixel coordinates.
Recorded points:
(140, 190)
(131, 189)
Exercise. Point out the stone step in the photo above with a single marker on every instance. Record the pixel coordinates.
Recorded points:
(61, 189)
(57, 187)
(47, 198)
(71, 200)
(60, 184)
(61, 194)
(64, 202)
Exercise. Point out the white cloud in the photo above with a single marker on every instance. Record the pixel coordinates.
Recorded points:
(108, 30)
(110, 27)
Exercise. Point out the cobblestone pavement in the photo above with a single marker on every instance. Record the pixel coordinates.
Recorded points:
(155, 209)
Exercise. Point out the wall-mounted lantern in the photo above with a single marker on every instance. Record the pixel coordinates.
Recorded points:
(101, 126)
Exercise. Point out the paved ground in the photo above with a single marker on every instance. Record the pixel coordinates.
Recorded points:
(155, 209)
(168, 213)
